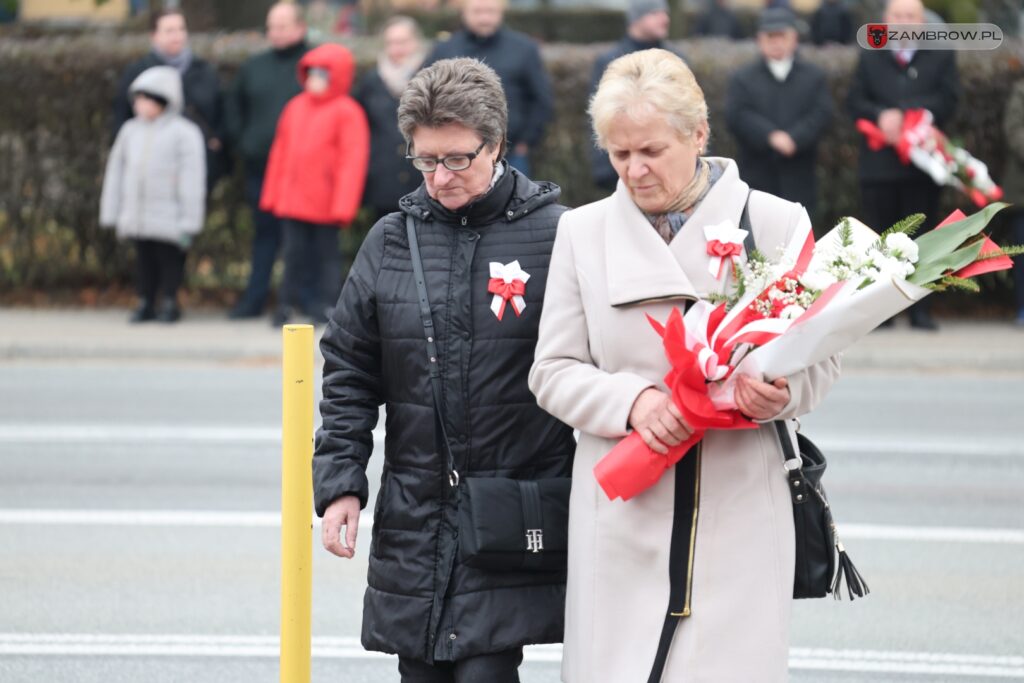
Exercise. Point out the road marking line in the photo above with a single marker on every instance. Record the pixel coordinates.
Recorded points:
(194, 645)
(163, 433)
(243, 518)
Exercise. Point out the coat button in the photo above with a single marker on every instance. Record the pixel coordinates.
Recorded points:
(452, 637)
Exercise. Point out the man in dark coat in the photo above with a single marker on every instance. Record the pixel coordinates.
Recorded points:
(390, 176)
(169, 39)
(647, 28)
(887, 83)
(516, 59)
(718, 21)
(778, 107)
(832, 23)
(264, 85)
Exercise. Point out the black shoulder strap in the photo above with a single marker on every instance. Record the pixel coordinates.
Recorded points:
(433, 362)
(749, 244)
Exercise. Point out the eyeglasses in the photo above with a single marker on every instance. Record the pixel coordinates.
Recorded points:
(453, 162)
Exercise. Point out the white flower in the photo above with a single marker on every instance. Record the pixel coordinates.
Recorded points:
(775, 293)
(853, 256)
(818, 280)
(792, 312)
(900, 245)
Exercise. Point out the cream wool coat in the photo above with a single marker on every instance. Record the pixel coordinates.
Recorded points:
(596, 352)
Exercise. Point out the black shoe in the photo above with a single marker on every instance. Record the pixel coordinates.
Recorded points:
(245, 311)
(924, 322)
(169, 312)
(280, 317)
(143, 313)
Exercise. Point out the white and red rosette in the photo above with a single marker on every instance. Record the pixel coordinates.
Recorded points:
(725, 243)
(508, 285)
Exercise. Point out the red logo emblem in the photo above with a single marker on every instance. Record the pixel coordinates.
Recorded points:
(878, 35)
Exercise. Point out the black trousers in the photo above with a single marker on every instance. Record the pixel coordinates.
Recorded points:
(500, 667)
(312, 267)
(885, 203)
(160, 269)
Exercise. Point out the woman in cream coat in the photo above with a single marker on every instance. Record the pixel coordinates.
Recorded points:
(691, 580)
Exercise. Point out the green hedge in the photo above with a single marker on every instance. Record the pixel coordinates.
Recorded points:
(54, 136)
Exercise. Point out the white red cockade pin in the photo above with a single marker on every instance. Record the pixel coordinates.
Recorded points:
(725, 243)
(507, 284)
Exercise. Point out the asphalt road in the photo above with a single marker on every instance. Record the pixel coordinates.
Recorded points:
(140, 539)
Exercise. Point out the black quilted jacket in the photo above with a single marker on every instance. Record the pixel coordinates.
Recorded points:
(421, 601)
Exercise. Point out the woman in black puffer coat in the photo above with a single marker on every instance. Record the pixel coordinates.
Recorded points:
(446, 621)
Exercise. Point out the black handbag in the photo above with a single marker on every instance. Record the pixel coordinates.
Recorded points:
(817, 541)
(504, 524)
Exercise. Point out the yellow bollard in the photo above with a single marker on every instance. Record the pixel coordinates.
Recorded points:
(296, 503)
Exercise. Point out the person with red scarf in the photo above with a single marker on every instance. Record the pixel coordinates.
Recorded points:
(315, 177)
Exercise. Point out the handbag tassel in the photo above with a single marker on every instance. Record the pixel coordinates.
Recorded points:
(855, 583)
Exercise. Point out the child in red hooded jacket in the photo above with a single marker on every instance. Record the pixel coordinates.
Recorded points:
(314, 179)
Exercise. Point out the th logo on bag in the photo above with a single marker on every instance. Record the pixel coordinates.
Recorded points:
(534, 540)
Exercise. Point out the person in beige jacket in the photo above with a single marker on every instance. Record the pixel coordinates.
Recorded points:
(691, 580)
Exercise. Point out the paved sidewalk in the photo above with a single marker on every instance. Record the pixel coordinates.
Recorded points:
(104, 334)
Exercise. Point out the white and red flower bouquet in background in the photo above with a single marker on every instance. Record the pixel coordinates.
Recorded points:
(786, 315)
(925, 146)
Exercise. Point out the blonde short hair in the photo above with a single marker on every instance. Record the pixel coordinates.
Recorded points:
(645, 81)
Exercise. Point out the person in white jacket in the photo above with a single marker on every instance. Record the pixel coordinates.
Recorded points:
(154, 189)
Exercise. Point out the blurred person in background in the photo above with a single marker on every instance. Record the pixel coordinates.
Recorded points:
(169, 40)
(718, 21)
(1013, 184)
(314, 180)
(647, 27)
(516, 59)
(258, 95)
(885, 84)
(832, 23)
(390, 176)
(779, 107)
(154, 190)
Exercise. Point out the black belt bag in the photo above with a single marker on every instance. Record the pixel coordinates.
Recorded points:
(504, 524)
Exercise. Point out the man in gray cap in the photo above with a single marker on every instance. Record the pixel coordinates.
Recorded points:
(647, 23)
(778, 108)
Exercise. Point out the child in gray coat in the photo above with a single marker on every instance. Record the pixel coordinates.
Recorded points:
(154, 189)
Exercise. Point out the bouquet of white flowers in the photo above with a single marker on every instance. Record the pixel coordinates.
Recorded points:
(786, 315)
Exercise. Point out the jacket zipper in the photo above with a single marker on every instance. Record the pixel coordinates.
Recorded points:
(693, 535)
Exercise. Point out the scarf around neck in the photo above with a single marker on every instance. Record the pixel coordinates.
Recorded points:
(181, 61)
(397, 76)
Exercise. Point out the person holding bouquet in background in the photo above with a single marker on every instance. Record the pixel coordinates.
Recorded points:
(1013, 184)
(885, 85)
(314, 180)
(695, 575)
(154, 189)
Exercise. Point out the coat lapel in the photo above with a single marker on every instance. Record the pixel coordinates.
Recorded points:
(723, 203)
(640, 266)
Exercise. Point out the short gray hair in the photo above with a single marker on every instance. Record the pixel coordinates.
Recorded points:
(463, 91)
(645, 81)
